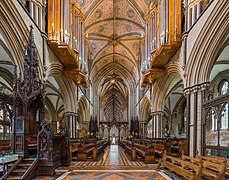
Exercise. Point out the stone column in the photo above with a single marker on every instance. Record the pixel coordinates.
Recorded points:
(71, 121)
(195, 118)
(188, 120)
(184, 49)
(109, 128)
(119, 133)
(154, 126)
(145, 130)
(193, 15)
(203, 100)
(194, 115)
(190, 22)
(30, 8)
(198, 9)
(153, 129)
(102, 132)
(158, 125)
(126, 130)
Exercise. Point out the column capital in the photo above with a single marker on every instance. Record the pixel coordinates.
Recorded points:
(184, 36)
(68, 113)
(187, 91)
(196, 87)
(204, 87)
(156, 113)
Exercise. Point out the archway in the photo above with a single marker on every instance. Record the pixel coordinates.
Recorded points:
(114, 135)
(174, 110)
(216, 107)
(145, 118)
(6, 93)
(83, 117)
(54, 109)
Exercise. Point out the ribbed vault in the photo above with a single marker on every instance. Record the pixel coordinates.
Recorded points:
(115, 29)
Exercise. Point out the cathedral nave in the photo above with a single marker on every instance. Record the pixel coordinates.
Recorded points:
(114, 89)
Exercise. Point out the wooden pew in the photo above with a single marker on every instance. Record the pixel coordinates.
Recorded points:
(129, 149)
(84, 151)
(213, 167)
(186, 170)
(159, 149)
(100, 148)
(196, 161)
(147, 152)
(73, 150)
(220, 160)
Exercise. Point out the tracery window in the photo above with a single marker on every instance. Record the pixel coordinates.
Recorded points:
(4, 125)
(223, 87)
(213, 120)
(224, 117)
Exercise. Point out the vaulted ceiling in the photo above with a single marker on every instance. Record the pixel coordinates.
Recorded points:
(115, 29)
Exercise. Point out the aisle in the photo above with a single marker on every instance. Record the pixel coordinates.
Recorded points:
(113, 165)
(114, 157)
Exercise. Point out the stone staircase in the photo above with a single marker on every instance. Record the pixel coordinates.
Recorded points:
(22, 169)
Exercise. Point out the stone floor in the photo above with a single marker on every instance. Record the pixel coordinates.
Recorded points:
(113, 165)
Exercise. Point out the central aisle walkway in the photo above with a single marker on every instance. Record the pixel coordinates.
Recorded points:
(113, 165)
(113, 157)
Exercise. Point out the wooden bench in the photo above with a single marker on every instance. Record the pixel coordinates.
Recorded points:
(213, 167)
(129, 149)
(84, 151)
(196, 161)
(73, 151)
(186, 170)
(100, 148)
(220, 160)
(159, 149)
(146, 152)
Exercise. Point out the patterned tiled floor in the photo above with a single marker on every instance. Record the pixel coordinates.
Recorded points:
(114, 176)
(113, 165)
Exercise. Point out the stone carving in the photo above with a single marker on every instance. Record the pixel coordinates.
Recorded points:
(128, 27)
(101, 28)
(124, 52)
(130, 13)
(98, 13)
(135, 46)
(93, 45)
